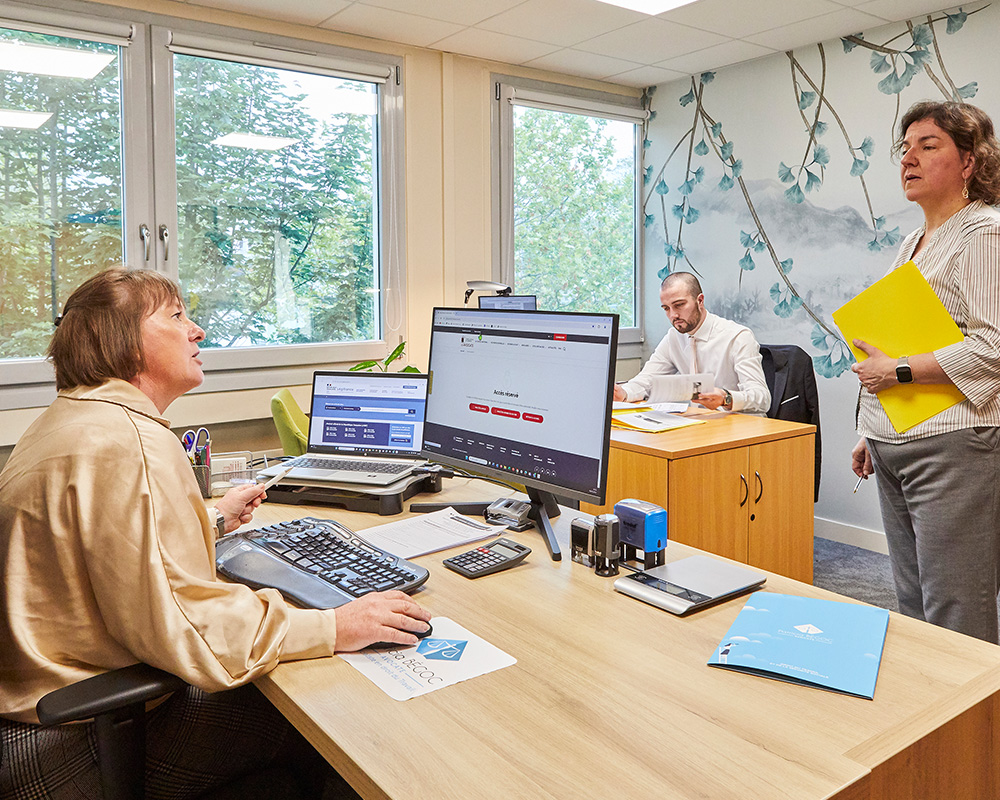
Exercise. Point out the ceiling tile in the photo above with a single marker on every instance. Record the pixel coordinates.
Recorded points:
(738, 19)
(819, 29)
(495, 46)
(587, 65)
(722, 55)
(646, 76)
(897, 10)
(651, 41)
(311, 13)
(395, 26)
(461, 12)
(562, 22)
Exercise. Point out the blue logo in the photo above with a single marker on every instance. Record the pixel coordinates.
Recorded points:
(442, 649)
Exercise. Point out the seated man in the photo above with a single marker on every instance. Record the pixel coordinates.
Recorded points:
(702, 342)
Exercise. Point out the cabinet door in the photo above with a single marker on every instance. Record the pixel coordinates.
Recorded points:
(709, 500)
(632, 474)
(781, 507)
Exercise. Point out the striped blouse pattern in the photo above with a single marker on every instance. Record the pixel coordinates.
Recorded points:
(962, 264)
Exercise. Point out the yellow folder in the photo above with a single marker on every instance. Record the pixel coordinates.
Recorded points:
(901, 316)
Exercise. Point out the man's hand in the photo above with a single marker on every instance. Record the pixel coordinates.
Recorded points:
(238, 504)
(861, 460)
(619, 394)
(878, 371)
(711, 400)
(380, 617)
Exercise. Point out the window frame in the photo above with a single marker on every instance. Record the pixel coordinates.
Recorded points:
(510, 91)
(150, 193)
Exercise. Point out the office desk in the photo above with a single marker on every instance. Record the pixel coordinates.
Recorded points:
(612, 698)
(739, 486)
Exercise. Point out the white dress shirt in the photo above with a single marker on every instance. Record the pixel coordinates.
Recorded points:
(724, 348)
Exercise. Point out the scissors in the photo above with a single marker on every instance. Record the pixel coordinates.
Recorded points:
(198, 443)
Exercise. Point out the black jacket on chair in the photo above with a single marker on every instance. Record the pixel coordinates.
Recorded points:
(788, 370)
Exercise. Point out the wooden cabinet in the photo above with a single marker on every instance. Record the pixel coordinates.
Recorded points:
(737, 486)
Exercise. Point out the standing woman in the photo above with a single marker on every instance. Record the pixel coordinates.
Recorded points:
(937, 482)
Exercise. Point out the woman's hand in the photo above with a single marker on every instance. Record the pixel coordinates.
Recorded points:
(238, 504)
(861, 460)
(380, 617)
(878, 371)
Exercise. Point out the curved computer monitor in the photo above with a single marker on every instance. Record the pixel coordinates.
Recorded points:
(509, 302)
(524, 396)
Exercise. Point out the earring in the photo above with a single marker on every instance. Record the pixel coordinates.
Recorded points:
(965, 191)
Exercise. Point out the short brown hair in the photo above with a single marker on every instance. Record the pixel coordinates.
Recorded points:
(98, 335)
(692, 284)
(972, 131)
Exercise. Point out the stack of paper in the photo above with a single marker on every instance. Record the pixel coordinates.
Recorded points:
(646, 419)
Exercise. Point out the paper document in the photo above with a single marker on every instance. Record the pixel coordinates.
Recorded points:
(667, 408)
(901, 316)
(825, 644)
(679, 388)
(428, 533)
(451, 654)
(652, 421)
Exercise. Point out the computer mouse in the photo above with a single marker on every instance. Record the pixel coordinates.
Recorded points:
(419, 635)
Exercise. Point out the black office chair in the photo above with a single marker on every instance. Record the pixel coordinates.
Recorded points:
(116, 701)
(791, 379)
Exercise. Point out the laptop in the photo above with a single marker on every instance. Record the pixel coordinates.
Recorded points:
(364, 428)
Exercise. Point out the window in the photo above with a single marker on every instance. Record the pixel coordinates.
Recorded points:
(568, 227)
(256, 171)
(60, 177)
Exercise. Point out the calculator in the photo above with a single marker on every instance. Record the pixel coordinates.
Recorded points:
(488, 559)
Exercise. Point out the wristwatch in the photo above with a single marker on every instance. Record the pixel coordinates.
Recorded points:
(727, 401)
(903, 372)
(220, 522)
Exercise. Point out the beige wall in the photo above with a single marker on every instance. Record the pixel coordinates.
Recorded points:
(447, 104)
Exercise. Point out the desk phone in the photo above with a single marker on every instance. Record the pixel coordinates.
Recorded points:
(489, 558)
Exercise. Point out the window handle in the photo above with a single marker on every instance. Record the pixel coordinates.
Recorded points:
(165, 238)
(144, 235)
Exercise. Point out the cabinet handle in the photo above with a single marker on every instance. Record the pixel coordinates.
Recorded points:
(165, 238)
(746, 491)
(144, 235)
(760, 483)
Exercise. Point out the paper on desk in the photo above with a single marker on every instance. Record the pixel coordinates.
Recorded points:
(653, 421)
(451, 654)
(622, 407)
(428, 533)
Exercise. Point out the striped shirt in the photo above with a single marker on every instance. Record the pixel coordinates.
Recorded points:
(961, 262)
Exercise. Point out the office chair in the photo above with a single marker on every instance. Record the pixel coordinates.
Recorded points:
(291, 422)
(117, 702)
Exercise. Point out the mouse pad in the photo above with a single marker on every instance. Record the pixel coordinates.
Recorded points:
(451, 654)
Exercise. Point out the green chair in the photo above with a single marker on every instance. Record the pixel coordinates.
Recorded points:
(292, 424)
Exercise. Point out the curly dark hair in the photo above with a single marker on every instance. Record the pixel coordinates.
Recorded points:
(972, 131)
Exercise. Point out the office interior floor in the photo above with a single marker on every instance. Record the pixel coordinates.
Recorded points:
(855, 572)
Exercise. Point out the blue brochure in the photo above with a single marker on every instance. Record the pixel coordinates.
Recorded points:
(820, 643)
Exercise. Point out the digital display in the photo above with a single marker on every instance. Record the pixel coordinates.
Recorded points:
(504, 551)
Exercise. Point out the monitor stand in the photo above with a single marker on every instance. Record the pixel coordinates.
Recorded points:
(543, 508)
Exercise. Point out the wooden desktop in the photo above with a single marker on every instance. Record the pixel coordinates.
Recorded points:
(611, 697)
(739, 486)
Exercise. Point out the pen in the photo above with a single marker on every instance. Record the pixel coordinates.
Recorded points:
(858, 484)
(277, 477)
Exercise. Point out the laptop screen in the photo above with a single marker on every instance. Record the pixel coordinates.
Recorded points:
(368, 413)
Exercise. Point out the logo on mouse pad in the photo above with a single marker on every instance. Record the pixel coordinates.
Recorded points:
(442, 649)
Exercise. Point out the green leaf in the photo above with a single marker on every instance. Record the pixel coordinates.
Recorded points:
(698, 175)
(688, 98)
(794, 194)
(396, 353)
(692, 215)
(707, 77)
(678, 211)
(737, 167)
(661, 187)
(821, 155)
(726, 151)
(701, 149)
(812, 181)
(806, 99)
(687, 187)
(785, 173)
(858, 167)
(746, 263)
(646, 144)
(922, 36)
(648, 221)
(786, 265)
(363, 366)
(820, 127)
(409, 368)
(867, 146)
(879, 62)
(968, 91)
(716, 130)
(726, 183)
(746, 240)
(956, 21)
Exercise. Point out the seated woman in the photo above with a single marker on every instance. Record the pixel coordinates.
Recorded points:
(107, 558)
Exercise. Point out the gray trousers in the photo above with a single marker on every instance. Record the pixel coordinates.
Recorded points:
(940, 500)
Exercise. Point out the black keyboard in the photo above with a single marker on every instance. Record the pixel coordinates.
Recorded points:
(316, 563)
(382, 467)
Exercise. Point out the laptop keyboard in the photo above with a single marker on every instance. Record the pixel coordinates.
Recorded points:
(381, 467)
(317, 563)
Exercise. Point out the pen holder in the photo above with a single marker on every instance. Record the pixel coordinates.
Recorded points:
(203, 475)
(232, 469)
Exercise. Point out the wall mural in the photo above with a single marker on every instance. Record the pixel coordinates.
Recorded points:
(700, 198)
(774, 181)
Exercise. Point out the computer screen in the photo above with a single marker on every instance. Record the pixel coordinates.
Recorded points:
(511, 302)
(524, 396)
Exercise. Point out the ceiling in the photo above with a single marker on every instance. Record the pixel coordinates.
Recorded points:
(591, 39)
